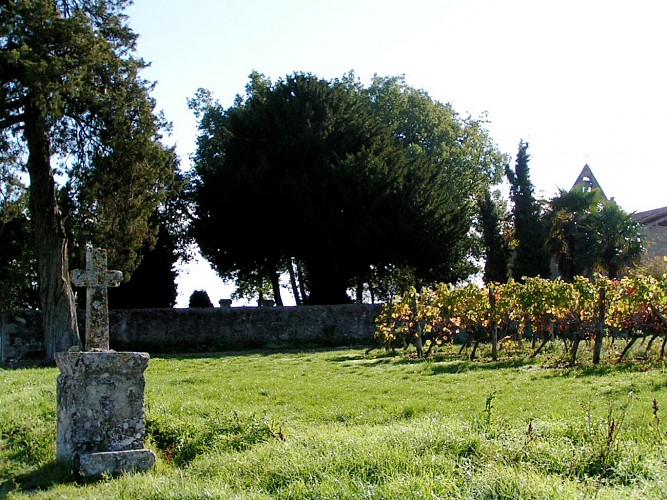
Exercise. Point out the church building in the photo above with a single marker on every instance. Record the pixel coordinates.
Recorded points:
(654, 221)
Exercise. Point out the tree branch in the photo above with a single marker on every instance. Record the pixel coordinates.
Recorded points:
(12, 120)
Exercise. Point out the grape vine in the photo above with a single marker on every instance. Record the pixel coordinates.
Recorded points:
(540, 309)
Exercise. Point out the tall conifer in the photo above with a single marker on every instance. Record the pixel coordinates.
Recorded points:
(531, 257)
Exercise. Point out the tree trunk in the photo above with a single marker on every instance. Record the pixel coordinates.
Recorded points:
(545, 339)
(650, 344)
(533, 337)
(420, 331)
(465, 344)
(275, 285)
(302, 286)
(575, 349)
(520, 333)
(473, 354)
(55, 291)
(360, 291)
(292, 280)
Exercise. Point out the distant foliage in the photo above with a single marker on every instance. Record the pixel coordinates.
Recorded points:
(496, 247)
(530, 253)
(588, 233)
(18, 274)
(655, 266)
(153, 283)
(199, 298)
(351, 183)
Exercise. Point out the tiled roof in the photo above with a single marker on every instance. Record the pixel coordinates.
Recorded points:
(655, 217)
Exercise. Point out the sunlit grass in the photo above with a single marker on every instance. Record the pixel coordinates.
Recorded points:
(345, 424)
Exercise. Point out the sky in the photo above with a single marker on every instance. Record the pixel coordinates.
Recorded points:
(582, 81)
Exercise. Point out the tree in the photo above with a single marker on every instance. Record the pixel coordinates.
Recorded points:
(153, 284)
(531, 258)
(18, 288)
(72, 103)
(17, 270)
(291, 168)
(622, 242)
(496, 249)
(572, 236)
(449, 162)
(586, 232)
(365, 181)
(199, 298)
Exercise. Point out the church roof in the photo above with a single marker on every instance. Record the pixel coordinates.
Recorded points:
(649, 218)
(587, 181)
(655, 217)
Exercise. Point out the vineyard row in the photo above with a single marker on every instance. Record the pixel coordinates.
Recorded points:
(631, 308)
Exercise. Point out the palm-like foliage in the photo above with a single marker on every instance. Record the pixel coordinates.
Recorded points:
(586, 232)
(621, 240)
(572, 237)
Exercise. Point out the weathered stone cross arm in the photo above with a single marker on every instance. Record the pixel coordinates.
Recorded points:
(96, 278)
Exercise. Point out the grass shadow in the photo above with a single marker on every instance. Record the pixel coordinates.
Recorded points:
(41, 478)
(264, 351)
(439, 363)
(21, 364)
(462, 366)
(603, 369)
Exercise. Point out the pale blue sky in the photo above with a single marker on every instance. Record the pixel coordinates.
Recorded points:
(584, 81)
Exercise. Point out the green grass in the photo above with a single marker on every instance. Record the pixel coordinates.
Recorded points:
(343, 424)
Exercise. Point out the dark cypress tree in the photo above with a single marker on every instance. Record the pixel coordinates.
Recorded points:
(153, 283)
(531, 257)
(199, 298)
(496, 248)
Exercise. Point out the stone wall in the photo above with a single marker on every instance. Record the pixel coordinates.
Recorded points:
(207, 329)
(21, 335)
(657, 240)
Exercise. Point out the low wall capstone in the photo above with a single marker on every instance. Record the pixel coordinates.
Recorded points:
(206, 329)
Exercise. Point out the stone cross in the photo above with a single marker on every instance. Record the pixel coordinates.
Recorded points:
(96, 278)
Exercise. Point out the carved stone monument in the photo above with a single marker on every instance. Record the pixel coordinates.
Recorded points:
(101, 425)
(96, 279)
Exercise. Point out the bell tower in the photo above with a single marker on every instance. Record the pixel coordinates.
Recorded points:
(587, 182)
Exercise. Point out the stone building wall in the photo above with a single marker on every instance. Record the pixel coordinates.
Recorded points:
(207, 329)
(657, 240)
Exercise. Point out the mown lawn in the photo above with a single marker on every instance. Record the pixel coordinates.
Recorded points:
(346, 424)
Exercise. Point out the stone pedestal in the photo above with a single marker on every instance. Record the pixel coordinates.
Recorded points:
(225, 303)
(101, 425)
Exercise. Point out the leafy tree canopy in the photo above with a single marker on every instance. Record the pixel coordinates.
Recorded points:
(73, 107)
(588, 233)
(573, 240)
(351, 182)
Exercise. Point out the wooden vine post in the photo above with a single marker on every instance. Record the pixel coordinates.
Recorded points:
(494, 325)
(600, 327)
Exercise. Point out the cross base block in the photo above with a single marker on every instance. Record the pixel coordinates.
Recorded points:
(95, 465)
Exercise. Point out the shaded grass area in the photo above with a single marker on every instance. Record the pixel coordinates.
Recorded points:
(344, 424)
